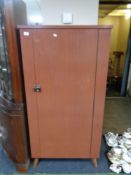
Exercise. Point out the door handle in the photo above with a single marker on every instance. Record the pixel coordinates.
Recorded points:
(37, 88)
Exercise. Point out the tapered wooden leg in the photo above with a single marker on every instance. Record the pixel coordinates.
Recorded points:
(94, 161)
(35, 163)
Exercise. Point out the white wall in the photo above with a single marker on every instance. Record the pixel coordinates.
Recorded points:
(20, 14)
(84, 11)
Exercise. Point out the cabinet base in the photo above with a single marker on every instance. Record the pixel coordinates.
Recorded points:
(22, 168)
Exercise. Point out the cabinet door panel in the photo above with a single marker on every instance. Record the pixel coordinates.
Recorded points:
(65, 63)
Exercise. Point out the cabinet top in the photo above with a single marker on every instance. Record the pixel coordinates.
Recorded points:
(64, 26)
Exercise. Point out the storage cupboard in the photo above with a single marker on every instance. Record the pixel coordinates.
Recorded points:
(13, 133)
(65, 70)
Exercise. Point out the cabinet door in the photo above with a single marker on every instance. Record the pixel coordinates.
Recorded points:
(63, 65)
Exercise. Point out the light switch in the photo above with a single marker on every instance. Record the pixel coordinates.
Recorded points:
(26, 33)
(67, 18)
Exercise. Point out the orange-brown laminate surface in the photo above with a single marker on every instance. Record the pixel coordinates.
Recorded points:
(62, 116)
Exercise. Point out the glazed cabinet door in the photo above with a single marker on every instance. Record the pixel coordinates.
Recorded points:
(59, 71)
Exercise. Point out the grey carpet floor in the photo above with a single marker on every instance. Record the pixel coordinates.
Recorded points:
(117, 115)
(65, 174)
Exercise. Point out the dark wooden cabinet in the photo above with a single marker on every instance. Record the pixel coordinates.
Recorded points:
(65, 71)
(13, 126)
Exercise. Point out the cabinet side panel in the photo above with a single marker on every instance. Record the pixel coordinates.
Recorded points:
(29, 80)
(100, 90)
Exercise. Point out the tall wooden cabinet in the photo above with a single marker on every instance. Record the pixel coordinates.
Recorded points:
(65, 71)
(13, 132)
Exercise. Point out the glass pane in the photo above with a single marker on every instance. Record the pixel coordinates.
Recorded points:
(5, 79)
